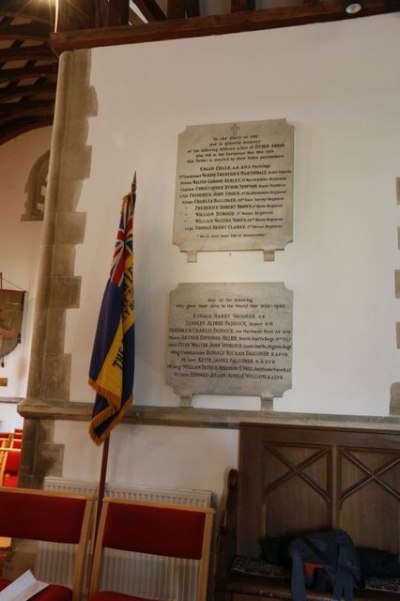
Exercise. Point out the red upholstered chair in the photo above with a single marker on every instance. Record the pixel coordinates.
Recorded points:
(152, 528)
(9, 469)
(48, 516)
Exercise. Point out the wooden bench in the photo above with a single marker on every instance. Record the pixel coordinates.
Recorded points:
(297, 479)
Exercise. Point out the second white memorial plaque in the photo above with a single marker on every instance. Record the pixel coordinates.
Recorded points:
(233, 339)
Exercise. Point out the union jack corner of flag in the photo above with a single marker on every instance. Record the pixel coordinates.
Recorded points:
(124, 242)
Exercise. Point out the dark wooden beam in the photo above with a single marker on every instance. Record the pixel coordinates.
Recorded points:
(179, 9)
(329, 10)
(34, 53)
(134, 19)
(47, 71)
(101, 13)
(192, 8)
(13, 130)
(29, 31)
(176, 9)
(40, 90)
(76, 14)
(35, 11)
(29, 110)
(240, 5)
(150, 10)
(118, 12)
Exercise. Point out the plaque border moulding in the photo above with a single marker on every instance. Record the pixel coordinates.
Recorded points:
(230, 339)
(234, 188)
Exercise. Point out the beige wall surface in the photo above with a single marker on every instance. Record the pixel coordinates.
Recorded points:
(338, 84)
(341, 263)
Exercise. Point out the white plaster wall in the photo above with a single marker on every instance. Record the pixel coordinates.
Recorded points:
(9, 417)
(154, 456)
(339, 85)
(19, 253)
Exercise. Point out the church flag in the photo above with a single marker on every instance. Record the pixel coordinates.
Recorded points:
(112, 364)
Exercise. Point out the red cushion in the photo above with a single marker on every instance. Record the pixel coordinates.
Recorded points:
(111, 596)
(40, 517)
(13, 461)
(158, 530)
(10, 480)
(53, 592)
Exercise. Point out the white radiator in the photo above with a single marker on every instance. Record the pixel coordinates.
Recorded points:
(134, 573)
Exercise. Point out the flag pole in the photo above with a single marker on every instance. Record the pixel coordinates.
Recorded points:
(102, 481)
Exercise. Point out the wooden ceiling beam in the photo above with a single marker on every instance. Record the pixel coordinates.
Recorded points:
(329, 10)
(47, 71)
(29, 31)
(179, 9)
(240, 5)
(26, 107)
(13, 130)
(192, 8)
(31, 112)
(34, 53)
(150, 10)
(118, 12)
(42, 12)
(176, 9)
(40, 90)
(76, 14)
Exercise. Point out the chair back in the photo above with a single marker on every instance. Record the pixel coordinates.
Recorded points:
(9, 469)
(5, 438)
(159, 529)
(48, 516)
(16, 439)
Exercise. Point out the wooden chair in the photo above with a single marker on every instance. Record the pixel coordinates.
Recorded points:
(16, 435)
(151, 528)
(5, 438)
(4, 444)
(16, 443)
(9, 466)
(48, 516)
(15, 440)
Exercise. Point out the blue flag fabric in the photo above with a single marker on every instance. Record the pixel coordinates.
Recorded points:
(112, 364)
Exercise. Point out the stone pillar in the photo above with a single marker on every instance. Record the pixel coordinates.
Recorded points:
(58, 286)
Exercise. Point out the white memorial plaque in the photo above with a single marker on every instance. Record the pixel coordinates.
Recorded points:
(234, 187)
(231, 339)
